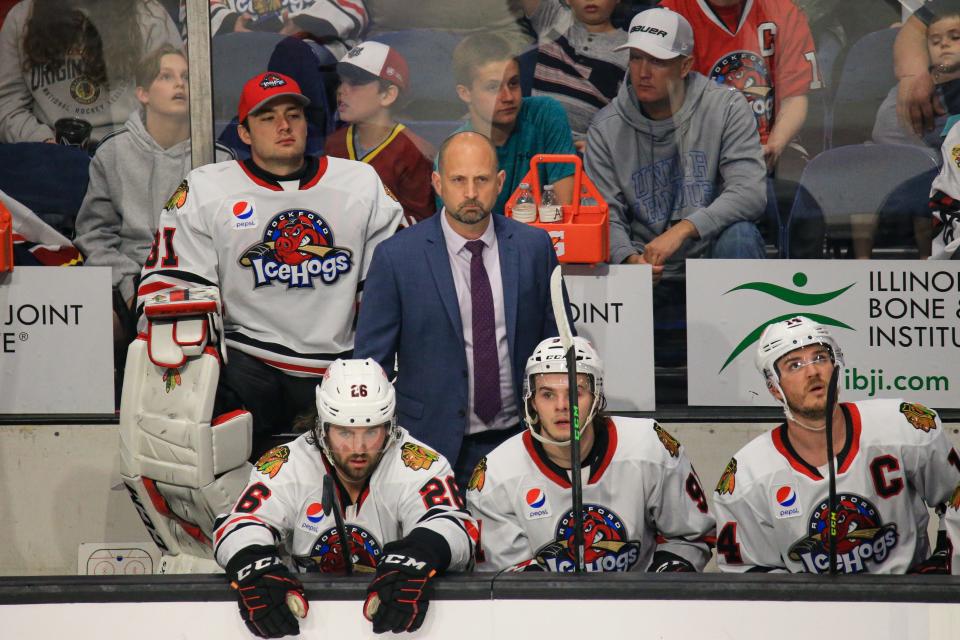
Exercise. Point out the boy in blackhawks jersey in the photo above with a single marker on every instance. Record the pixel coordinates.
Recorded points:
(401, 510)
(287, 237)
(893, 461)
(643, 508)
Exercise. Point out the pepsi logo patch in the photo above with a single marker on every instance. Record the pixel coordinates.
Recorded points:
(537, 507)
(787, 504)
(243, 214)
(315, 512)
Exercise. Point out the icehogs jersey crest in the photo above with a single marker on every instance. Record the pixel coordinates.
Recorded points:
(297, 247)
(327, 553)
(862, 537)
(772, 510)
(748, 73)
(606, 547)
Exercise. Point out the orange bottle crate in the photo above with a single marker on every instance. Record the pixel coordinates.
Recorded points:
(583, 235)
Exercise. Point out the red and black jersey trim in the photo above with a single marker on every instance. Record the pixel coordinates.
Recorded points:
(851, 447)
(280, 350)
(308, 175)
(604, 446)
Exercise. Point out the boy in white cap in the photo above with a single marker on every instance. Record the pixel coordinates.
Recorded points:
(373, 77)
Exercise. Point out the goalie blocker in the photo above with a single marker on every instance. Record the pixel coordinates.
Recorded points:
(181, 468)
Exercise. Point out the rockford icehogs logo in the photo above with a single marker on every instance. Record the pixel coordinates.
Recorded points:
(479, 476)
(297, 247)
(861, 537)
(270, 80)
(919, 416)
(747, 72)
(417, 457)
(728, 480)
(269, 463)
(327, 555)
(606, 547)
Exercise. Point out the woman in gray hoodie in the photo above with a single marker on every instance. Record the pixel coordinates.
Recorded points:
(135, 170)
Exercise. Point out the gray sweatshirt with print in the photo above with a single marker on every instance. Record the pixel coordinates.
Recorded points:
(703, 164)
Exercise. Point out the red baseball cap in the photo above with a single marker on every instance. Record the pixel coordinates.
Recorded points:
(261, 89)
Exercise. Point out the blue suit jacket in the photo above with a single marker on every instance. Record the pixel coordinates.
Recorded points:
(410, 310)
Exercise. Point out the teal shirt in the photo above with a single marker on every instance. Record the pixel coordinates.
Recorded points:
(541, 127)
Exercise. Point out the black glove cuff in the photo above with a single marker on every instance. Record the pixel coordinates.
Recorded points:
(423, 544)
(248, 555)
(666, 562)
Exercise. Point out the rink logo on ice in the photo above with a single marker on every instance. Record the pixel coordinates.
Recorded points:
(862, 537)
(606, 547)
(297, 247)
(243, 217)
(537, 506)
(326, 556)
(787, 504)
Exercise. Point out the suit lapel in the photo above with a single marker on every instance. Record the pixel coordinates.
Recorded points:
(439, 263)
(509, 274)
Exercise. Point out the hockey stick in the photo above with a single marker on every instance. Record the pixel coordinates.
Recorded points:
(330, 504)
(566, 339)
(832, 486)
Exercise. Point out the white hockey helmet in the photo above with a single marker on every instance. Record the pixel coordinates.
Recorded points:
(780, 338)
(355, 393)
(550, 357)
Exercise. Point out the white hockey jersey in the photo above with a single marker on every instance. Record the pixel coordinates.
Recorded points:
(772, 506)
(945, 198)
(412, 487)
(290, 264)
(640, 494)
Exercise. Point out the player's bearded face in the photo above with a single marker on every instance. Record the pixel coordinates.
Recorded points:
(356, 450)
(804, 378)
(551, 402)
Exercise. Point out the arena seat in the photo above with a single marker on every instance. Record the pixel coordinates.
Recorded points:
(50, 179)
(891, 180)
(864, 81)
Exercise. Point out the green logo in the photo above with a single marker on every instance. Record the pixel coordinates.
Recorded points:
(793, 297)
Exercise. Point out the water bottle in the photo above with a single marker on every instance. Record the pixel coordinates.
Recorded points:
(550, 210)
(525, 209)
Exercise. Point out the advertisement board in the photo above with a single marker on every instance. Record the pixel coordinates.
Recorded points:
(897, 322)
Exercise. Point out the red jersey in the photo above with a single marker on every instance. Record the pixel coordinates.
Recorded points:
(404, 162)
(762, 48)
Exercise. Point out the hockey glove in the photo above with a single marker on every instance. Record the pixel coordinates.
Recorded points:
(399, 595)
(666, 562)
(267, 592)
(939, 562)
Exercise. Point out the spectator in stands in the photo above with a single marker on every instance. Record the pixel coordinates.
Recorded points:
(578, 60)
(943, 51)
(459, 16)
(74, 59)
(488, 81)
(765, 50)
(676, 157)
(918, 105)
(455, 305)
(334, 25)
(373, 77)
(134, 171)
(287, 237)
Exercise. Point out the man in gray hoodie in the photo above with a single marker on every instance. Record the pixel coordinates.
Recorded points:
(677, 157)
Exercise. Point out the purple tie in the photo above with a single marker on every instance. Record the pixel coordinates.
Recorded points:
(486, 365)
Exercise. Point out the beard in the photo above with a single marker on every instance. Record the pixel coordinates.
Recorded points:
(461, 214)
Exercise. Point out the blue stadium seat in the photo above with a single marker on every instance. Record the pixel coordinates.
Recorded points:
(865, 79)
(50, 179)
(891, 180)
